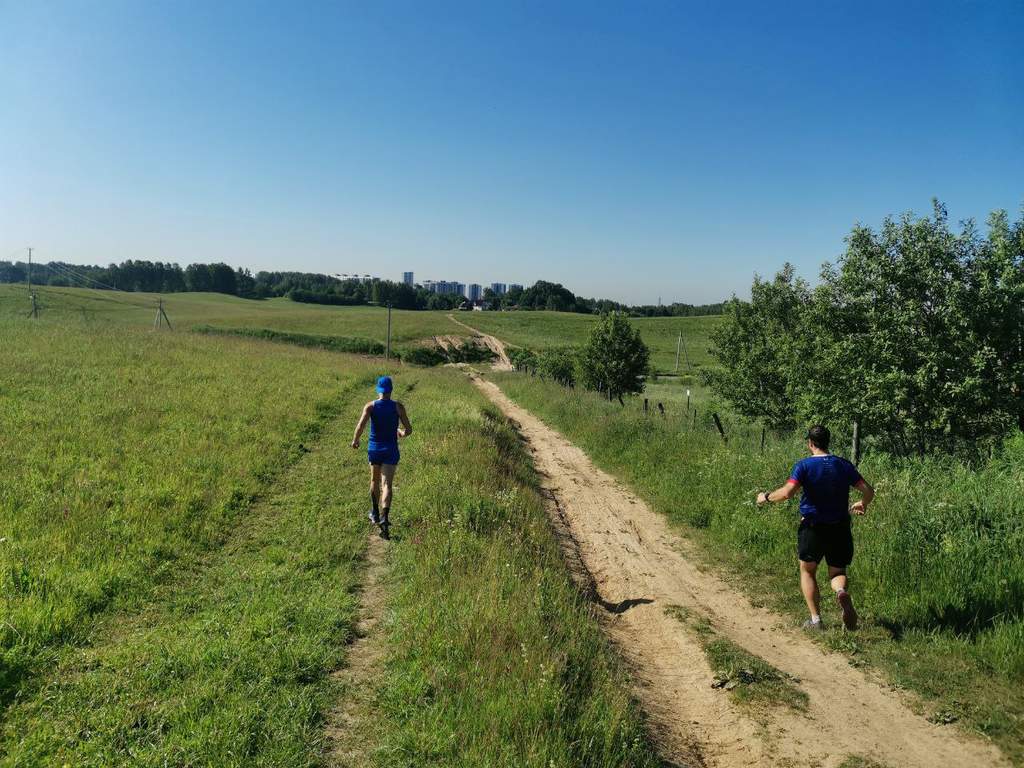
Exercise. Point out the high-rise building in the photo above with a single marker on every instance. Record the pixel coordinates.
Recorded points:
(407, 278)
(515, 286)
(474, 292)
(443, 286)
(500, 289)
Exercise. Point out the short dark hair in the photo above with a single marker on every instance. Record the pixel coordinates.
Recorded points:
(819, 436)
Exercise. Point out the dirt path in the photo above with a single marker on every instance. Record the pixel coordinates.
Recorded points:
(632, 555)
(350, 728)
(496, 345)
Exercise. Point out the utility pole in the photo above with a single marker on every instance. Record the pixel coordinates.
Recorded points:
(34, 312)
(161, 316)
(679, 344)
(387, 350)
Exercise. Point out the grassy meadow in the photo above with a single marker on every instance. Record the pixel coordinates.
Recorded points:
(220, 310)
(939, 571)
(535, 330)
(183, 533)
(538, 330)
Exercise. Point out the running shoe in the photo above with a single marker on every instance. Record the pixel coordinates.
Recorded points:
(814, 626)
(375, 517)
(846, 606)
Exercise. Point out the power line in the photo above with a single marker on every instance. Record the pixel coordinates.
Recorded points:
(81, 277)
(94, 297)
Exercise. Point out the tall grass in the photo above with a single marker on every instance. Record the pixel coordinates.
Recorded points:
(495, 660)
(124, 453)
(182, 529)
(939, 569)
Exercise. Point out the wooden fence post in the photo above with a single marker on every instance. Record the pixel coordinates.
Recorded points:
(718, 423)
(645, 406)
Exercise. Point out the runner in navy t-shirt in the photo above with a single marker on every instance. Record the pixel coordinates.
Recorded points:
(824, 520)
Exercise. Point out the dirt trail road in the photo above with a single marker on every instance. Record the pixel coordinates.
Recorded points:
(640, 567)
(350, 729)
(493, 343)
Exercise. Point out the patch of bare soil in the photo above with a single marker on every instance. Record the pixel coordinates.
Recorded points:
(496, 345)
(636, 567)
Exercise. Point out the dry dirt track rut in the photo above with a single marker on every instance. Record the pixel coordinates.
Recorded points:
(632, 555)
(502, 363)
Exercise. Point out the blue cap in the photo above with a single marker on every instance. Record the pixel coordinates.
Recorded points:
(384, 384)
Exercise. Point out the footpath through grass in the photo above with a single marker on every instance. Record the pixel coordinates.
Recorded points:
(183, 531)
(125, 454)
(494, 659)
(939, 571)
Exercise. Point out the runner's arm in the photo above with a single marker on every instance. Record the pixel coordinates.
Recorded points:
(365, 417)
(784, 493)
(406, 429)
(867, 493)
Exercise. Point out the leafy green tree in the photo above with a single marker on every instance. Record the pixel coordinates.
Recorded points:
(615, 359)
(558, 364)
(917, 333)
(757, 348)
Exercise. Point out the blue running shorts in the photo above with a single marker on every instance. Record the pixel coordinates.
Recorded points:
(383, 455)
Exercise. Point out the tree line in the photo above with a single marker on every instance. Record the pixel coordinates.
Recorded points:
(917, 333)
(315, 288)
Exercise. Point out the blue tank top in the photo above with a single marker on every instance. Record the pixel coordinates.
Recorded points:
(383, 425)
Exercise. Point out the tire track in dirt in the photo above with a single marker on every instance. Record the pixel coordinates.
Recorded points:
(496, 345)
(639, 567)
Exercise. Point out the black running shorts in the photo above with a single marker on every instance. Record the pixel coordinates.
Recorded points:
(833, 541)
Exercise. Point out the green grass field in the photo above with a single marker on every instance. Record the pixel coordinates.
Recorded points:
(939, 573)
(530, 329)
(537, 330)
(181, 533)
(187, 309)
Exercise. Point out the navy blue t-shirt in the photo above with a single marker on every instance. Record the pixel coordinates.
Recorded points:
(826, 482)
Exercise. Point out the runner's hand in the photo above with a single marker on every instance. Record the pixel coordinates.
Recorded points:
(355, 443)
(858, 508)
(762, 498)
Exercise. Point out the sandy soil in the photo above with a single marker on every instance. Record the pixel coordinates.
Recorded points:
(493, 343)
(638, 567)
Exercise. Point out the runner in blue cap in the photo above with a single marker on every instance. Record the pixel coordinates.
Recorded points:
(388, 422)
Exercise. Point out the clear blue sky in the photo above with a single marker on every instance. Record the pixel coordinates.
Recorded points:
(629, 150)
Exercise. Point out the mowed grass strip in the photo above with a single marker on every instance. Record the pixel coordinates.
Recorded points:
(493, 657)
(229, 666)
(939, 571)
(126, 455)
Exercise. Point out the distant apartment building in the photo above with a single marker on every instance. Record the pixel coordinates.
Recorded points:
(499, 289)
(407, 278)
(474, 292)
(515, 287)
(445, 287)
